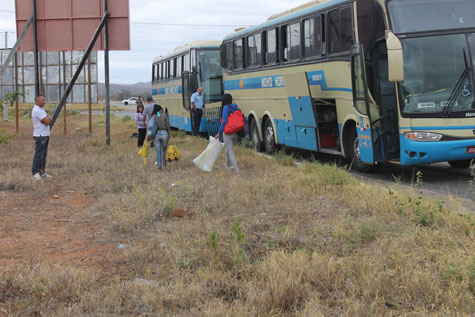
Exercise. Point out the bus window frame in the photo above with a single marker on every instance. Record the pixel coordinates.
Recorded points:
(178, 62)
(253, 35)
(193, 61)
(321, 16)
(276, 29)
(153, 73)
(287, 26)
(243, 57)
(289, 35)
(327, 30)
(186, 62)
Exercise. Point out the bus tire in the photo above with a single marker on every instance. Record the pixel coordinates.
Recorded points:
(254, 134)
(269, 137)
(354, 153)
(460, 163)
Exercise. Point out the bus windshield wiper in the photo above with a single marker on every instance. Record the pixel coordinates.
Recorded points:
(458, 87)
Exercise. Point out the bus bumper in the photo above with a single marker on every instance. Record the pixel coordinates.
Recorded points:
(416, 153)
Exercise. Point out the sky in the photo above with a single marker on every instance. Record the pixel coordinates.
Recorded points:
(169, 24)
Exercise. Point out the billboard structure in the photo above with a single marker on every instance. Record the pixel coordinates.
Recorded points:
(69, 25)
(64, 25)
(56, 69)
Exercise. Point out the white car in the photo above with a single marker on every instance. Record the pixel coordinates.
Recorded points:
(130, 101)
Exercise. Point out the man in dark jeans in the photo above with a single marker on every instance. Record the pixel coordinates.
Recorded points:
(197, 107)
(41, 133)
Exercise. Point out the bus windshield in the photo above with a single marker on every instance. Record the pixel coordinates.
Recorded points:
(438, 73)
(430, 15)
(210, 76)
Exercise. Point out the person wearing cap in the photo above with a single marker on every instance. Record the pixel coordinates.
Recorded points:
(147, 111)
(198, 105)
(147, 114)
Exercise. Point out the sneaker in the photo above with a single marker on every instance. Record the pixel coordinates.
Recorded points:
(36, 177)
(46, 175)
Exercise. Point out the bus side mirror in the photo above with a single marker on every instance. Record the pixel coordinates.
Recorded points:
(395, 58)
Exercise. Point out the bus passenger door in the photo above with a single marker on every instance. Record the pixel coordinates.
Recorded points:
(186, 91)
(368, 126)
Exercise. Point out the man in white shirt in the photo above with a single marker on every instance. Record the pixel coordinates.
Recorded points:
(41, 133)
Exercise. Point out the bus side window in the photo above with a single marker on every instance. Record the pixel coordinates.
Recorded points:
(340, 23)
(172, 68)
(285, 41)
(186, 63)
(153, 73)
(238, 60)
(193, 61)
(293, 38)
(271, 52)
(179, 66)
(167, 64)
(313, 37)
(254, 52)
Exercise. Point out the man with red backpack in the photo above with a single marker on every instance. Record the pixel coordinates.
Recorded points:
(231, 123)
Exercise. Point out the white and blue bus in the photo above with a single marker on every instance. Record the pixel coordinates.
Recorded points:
(371, 80)
(179, 74)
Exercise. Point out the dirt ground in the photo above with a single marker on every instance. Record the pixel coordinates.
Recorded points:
(59, 229)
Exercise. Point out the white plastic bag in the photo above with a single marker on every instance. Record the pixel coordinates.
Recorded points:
(205, 161)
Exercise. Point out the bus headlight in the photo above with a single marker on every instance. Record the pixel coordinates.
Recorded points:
(423, 136)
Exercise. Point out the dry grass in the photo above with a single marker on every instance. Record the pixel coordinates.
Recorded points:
(277, 240)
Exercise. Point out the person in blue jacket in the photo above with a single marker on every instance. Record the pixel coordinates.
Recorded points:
(228, 107)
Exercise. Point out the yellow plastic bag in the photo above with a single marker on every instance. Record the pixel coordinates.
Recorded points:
(172, 151)
(144, 151)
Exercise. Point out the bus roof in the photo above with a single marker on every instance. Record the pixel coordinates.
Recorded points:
(185, 48)
(288, 15)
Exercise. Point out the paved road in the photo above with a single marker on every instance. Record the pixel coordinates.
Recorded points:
(438, 179)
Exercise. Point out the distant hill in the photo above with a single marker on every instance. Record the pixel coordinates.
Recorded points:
(123, 91)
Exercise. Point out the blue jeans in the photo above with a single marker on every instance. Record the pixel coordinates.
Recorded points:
(161, 144)
(197, 115)
(41, 152)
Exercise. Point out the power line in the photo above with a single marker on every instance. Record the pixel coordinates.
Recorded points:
(7, 11)
(182, 24)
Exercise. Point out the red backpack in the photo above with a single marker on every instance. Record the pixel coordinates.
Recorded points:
(235, 122)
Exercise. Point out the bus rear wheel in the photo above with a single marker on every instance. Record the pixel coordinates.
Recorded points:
(354, 153)
(269, 137)
(460, 163)
(255, 140)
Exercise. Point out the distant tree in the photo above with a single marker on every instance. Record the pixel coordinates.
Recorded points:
(9, 100)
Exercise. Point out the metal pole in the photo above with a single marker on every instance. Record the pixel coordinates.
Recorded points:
(17, 110)
(15, 47)
(89, 94)
(6, 39)
(78, 71)
(5, 103)
(106, 71)
(64, 87)
(35, 40)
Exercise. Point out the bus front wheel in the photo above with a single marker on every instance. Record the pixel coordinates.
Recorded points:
(354, 153)
(255, 140)
(269, 137)
(460, 163)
